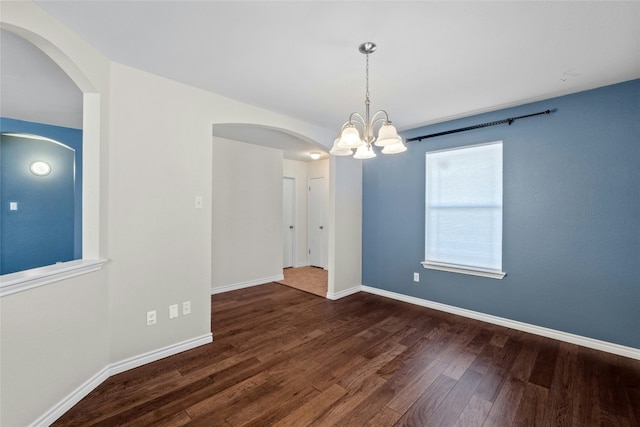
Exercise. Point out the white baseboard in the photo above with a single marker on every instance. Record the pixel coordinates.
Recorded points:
(608, 347)
(302, 264)
(242, 285)
(88, 386)
(345, 293)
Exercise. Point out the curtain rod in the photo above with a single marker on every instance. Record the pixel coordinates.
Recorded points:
(483, 125)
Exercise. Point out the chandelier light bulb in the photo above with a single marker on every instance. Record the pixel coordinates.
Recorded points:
(350, 137)
(396, 148)
(337, 151)
(387, 135)
(364, 152)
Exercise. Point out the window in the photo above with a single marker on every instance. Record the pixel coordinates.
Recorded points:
(463, 216)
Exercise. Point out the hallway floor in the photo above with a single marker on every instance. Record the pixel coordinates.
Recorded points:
(309, 279)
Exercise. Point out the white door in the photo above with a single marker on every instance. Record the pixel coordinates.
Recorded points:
(317, 229)
(288, 216)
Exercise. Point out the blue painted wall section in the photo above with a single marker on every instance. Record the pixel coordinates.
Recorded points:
(571, 225)
(47, 227)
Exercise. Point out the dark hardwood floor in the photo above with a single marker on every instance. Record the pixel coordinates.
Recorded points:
(283, 357)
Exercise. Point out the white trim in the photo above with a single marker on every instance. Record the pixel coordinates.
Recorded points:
(242, 285)
(29, 279)
(608, 347)
(88, 386)
(303, 264)
(469, 270)
(345, 293)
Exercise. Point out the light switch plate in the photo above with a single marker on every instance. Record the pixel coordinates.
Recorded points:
(151, 318)
(173, 311)
(186, 308)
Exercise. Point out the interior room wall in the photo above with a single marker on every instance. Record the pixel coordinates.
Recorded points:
(571, 236)
(247, 214)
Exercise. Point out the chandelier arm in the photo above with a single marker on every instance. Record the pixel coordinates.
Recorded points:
(356, 118)
(375, 122)
(386, 116)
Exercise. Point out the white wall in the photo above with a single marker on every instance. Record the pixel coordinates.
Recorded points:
(247, 215)
(159, 161)
(345, 242)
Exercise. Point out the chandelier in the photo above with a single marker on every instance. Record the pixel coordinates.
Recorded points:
(350, 136)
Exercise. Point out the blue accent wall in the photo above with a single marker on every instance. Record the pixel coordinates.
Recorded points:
(571, 218)
(47, 227)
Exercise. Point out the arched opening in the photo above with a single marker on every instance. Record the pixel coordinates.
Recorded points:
(298, 194)
(46, 94)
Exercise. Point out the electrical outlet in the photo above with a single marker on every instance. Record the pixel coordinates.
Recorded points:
(186, 308)
(416, 277)
(151, 318)
(173, 311)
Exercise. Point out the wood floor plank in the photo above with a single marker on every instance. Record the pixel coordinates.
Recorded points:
(285, 357)
(474, 413)
(421, 411)
(495, 376)
(542, 372)
(354, 396)
(506, 405)
(408, 395)
(530, 412)
(311, 410)
(385, 417)
(456, 400)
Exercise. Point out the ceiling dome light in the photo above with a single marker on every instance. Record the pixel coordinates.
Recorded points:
(40, 168)
(314, 155)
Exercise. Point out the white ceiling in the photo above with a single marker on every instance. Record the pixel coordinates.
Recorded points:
(435, 60)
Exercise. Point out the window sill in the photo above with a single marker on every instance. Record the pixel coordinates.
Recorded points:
(493, 274)
(28, 279)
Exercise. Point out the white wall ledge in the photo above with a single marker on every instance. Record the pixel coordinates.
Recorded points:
(493, 274)
(29, 279)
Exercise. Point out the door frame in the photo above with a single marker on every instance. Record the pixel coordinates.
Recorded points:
(324, 236)
(294, 236)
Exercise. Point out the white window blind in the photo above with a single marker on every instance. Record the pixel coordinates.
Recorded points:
(464, 210)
